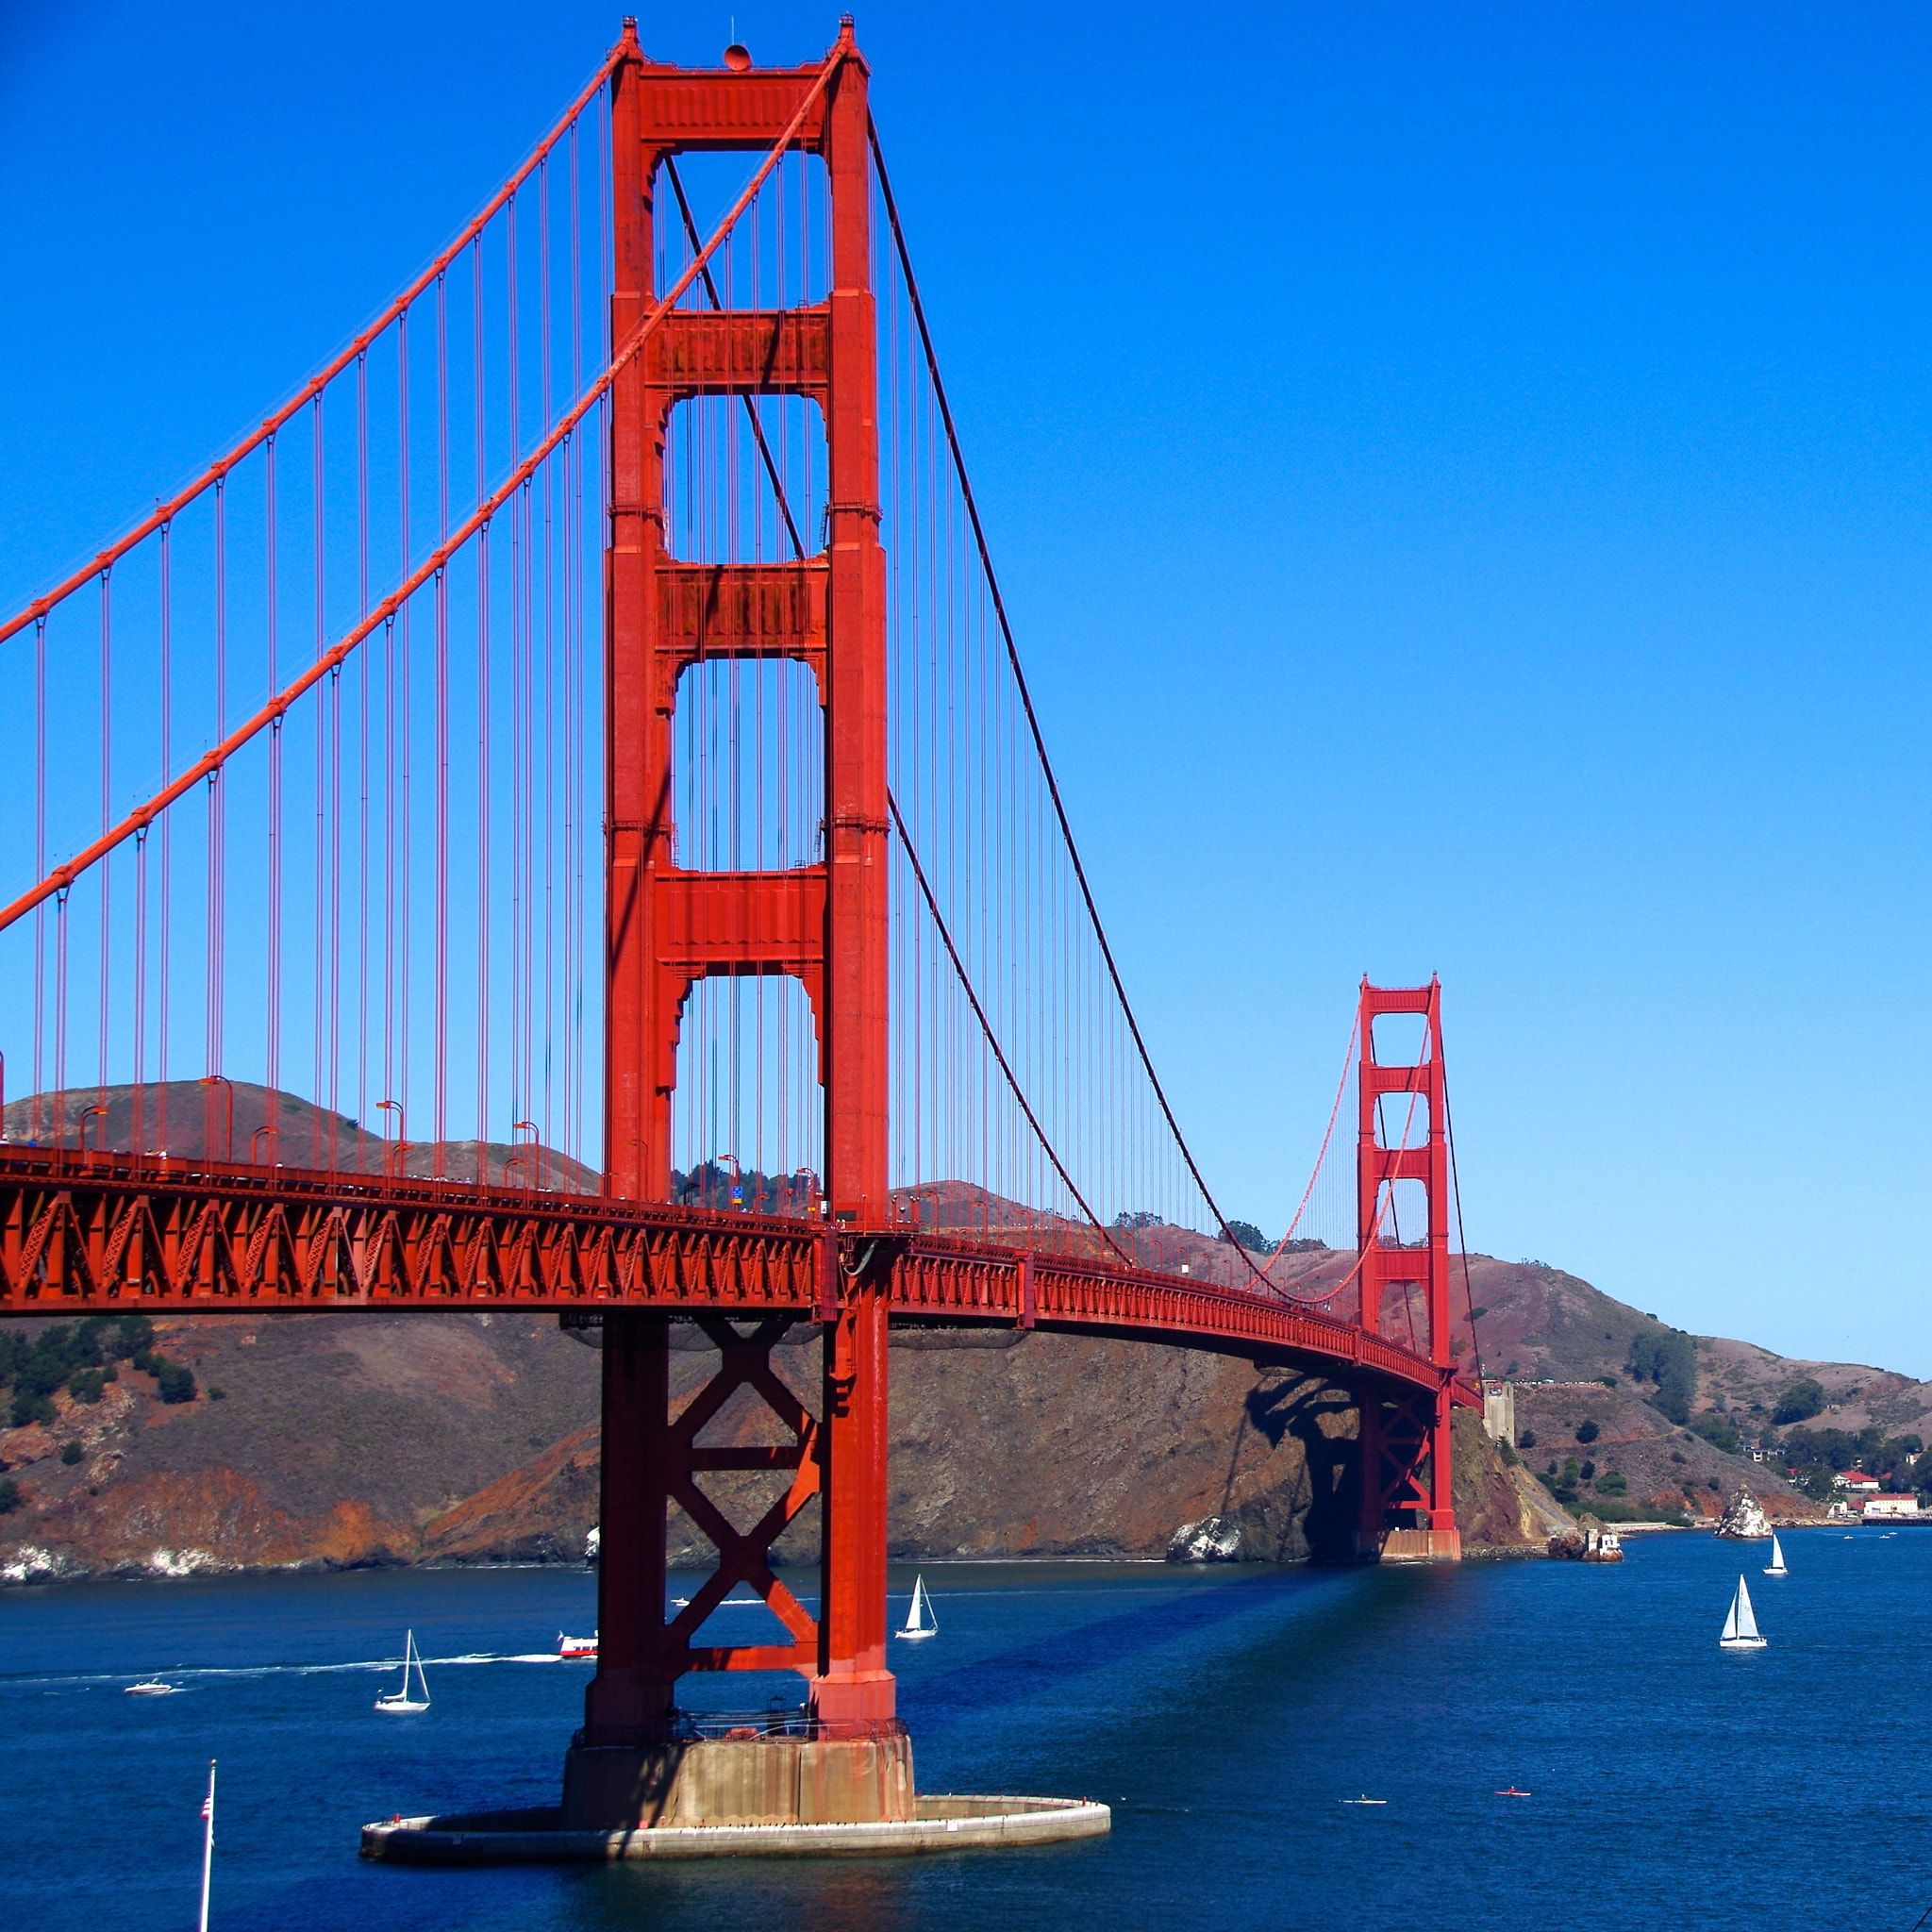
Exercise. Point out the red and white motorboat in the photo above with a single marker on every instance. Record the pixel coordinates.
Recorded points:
(577, 1646)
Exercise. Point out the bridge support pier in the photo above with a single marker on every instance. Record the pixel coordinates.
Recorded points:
(844, 1758)
(1408, 1470)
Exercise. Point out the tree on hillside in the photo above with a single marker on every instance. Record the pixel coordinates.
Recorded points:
(1250, 1237)
(1800, 1402)
(1719, 1431)
(1668, 1358)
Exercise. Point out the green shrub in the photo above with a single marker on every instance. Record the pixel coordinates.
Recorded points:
(1527, 1439)
(29, 1408)
(1612, 1482)
(1678, 1456)
(1620, 1510)
(10, 1498)
(217, 1395)
(85, 1385)
(136, 1333)
(175, 1382)
(72, 1454)
(1588, 1432)
(1719, 1431)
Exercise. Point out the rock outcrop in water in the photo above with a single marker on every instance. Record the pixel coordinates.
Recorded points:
(1213, 1540)
(1745, 1519)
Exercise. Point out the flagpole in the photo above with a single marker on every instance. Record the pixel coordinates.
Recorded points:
(207, 1846)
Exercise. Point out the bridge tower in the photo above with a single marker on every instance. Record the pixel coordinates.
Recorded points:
(824, 924)
(1408, 1462)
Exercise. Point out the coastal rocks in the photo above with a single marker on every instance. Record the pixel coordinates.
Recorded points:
(1590, 1541)
(1745, 1519)
(1213, 1540)
(29, 1563)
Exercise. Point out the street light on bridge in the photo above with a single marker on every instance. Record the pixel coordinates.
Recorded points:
(227, 1087)
(392, 1158)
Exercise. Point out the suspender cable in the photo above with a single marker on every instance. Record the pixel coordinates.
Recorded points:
(1026, 697)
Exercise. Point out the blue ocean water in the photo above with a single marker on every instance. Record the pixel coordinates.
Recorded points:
(1223, 1713)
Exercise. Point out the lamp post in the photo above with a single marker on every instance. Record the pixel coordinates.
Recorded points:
(274, 1130)
(227, 1087)
(392, 1159)
(736, 1176)
(87, 1113)
(534, 1165)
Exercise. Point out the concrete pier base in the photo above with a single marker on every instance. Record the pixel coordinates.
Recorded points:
(1411, 1546)
(729, 1781)
(539, 1837)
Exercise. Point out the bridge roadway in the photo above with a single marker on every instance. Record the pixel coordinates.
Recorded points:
(98, 1233)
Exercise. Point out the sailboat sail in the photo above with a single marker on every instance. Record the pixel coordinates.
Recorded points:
(919, 1618)
(400, 1699)
(1740, 1625)
(1777, 1566)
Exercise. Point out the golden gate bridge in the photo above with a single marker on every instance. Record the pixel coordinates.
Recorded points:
(581, 728)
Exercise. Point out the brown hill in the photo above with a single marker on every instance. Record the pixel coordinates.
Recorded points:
(240, 1121)
(405, 1437)
(393, 1438)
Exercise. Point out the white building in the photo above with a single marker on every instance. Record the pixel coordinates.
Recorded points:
(1891, 1506)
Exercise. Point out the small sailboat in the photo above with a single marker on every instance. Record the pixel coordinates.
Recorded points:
(1777, 1566)
(400, 1699)
(208, 1842)
(1741, 1627)
(918, 1619)
(153, 1688)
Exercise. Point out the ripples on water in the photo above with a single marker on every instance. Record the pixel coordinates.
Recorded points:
(1222, 1713)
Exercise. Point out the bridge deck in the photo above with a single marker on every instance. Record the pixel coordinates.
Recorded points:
(85, 1233)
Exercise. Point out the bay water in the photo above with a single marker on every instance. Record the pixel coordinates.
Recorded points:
(1223, 1712)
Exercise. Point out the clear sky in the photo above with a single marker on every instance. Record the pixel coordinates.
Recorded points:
(1459, 475)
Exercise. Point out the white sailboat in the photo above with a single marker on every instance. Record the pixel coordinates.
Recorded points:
(1777, 1566)
(208, 1842)
(400, 1699)
(918, 1619)
(1741, 1627)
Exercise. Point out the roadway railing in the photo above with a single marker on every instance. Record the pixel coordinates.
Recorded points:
(84, 1233)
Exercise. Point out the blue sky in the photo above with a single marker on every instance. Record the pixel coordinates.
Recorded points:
(1460, 478)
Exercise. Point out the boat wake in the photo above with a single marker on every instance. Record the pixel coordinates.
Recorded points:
(78, 1680)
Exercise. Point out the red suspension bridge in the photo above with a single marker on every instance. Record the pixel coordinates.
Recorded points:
(641, 516)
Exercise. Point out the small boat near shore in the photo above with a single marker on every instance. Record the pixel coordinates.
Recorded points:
(1777, 1566)
(152, 1688)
